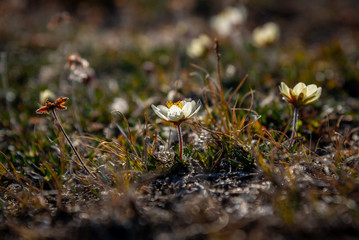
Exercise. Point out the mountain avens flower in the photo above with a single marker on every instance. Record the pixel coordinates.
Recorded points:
(177, 113)
(300, 96)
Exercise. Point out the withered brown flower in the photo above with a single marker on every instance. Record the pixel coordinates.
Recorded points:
(49, 106)
(80, 70)
(75, 61)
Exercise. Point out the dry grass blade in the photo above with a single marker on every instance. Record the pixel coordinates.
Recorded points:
(237, 89)
(220, 104)
(128, 138)
(218, 54)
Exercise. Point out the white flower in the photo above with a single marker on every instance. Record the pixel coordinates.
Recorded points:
(177, 112)
(198, 46)
(301, 94)
(119, 104)
(266, 35)
(225, 22)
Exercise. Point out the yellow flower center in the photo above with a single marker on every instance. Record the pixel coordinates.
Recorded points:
(178, 104)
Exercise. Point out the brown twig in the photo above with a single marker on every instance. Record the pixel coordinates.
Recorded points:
(51, 107)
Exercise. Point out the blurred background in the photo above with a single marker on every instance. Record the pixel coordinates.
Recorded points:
(310, 21)
(138, 51)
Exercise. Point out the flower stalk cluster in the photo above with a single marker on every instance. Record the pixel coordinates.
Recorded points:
(178, 112)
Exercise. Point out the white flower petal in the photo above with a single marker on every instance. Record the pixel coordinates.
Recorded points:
(298, 88)
(284, 89)
(315, 97)
(195, 111)
(158, 110)
(163, 109)
(311, 90)
(193, 105)
(303, 93)
(175, 108)
(188, 108)
(175, 113)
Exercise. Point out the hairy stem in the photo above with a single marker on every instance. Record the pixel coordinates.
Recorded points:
(180, 140)
(70, 143)
(295, 123)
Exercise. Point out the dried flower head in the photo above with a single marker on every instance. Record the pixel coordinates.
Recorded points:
(80, 68)
(300, 95)
(177, 112)
(75, 61)
(49, 106)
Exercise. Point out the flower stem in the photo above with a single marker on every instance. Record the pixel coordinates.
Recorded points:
(295, 123)
(70, 143)
(180, 140)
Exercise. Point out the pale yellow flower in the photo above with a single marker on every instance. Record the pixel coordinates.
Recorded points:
(227, 20)
(198, 46)
(46, 95)
(119, 104)
(266, 35)
(300, 95)
(177, 112)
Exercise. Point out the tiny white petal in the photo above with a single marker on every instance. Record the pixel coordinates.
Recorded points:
(284, 89)
(188, 108)
(195, 111)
